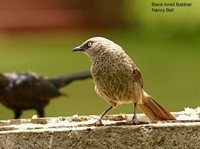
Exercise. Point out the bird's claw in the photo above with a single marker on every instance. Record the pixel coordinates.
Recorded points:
(137, 122)
(98, 123)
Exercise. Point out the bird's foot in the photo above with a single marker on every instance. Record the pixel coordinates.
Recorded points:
(137, 122)
(134, 120)
(98, 123)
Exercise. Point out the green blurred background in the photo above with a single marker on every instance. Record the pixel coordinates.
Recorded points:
(165, 46)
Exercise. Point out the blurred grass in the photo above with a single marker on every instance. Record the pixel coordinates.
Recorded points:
(170, 67)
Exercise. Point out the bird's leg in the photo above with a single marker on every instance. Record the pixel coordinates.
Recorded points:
(134, 119)
(41, 112)
(17, 114)
(99, 122)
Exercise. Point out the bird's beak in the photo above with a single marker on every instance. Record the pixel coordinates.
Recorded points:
(79, 48)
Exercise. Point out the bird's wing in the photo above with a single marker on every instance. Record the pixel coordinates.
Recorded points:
(137, 76)
(47, 89)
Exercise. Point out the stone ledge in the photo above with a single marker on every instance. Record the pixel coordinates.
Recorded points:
(79, 132)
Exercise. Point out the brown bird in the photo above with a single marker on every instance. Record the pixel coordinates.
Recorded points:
(118, 80)
(26, 90)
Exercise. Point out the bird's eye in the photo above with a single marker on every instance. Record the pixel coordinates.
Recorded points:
(89, 44)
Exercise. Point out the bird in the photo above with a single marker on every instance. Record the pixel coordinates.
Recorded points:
(118, 80)
(27, 90)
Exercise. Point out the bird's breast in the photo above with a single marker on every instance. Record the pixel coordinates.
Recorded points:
(114, 81)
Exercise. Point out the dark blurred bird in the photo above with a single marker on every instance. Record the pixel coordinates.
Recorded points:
(26, 90)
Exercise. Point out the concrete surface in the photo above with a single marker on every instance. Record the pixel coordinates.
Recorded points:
(79, 132)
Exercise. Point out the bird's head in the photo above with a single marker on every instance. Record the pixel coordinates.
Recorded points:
(97, 46)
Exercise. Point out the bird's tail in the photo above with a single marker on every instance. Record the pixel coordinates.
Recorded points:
(153, 110)
(62, 81)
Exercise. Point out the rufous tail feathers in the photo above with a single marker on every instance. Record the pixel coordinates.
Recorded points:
(153, 110)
